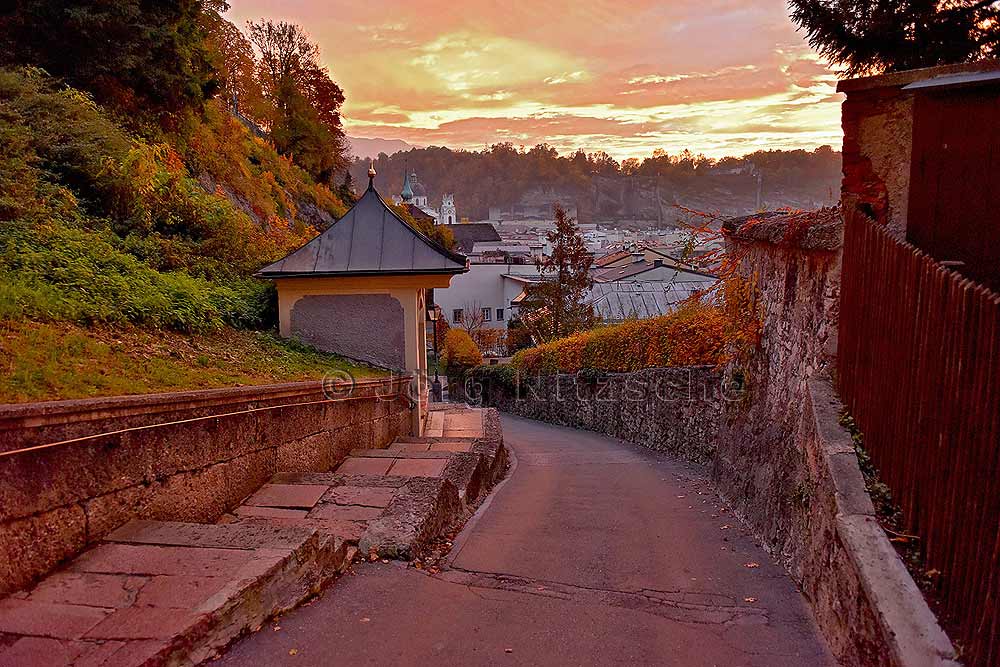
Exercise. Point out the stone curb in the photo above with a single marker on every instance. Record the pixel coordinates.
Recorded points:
(418, 513)
(906, 629)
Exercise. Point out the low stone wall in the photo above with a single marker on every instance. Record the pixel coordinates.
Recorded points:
(67, 478)
(677, 410)
(790, 470)
(864, 600)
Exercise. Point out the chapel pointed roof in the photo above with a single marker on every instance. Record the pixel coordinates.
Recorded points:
(370, 239)
(407, 193)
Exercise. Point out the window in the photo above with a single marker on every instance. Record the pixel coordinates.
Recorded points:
(456, 316)
(499, 314)
(486, 314)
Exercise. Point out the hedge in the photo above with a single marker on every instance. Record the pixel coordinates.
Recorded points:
(693, 335)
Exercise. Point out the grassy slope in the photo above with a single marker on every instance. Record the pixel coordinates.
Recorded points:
(126, 260)
(44, 361)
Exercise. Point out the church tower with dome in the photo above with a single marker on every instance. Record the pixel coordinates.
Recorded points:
(414, 197)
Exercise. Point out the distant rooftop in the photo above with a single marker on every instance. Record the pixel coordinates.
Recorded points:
(467, 234)
(618, 301)
(616, 273)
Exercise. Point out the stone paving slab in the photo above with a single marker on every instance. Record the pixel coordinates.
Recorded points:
(435, 425)
(359, 495)
(419, 467)
(287, 495)
(345, 512)
(409, 446)
(47, 619)
(340, 479)
(153, 559)
(269, 512)
(165, 593)
(397, 454)
(89, 588)
(249, 535)
(451, 446)
(365, 466)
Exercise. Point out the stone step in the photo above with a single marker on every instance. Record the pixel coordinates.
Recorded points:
(159, 593)
(401, 464)
(400, 454)
(392, 516)
(425, 445)
(435, 424)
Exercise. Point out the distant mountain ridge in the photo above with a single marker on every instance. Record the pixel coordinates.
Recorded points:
(363, 147)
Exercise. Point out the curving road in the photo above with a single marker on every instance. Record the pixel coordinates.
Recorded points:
(592, 552)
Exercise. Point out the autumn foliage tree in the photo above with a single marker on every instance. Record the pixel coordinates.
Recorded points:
(304, 114)
(557, 305)
(459, 353)
(890, 35)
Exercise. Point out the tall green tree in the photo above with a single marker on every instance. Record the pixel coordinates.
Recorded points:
(558, 304)
(871, 37)
(306, 102)
(135, 53)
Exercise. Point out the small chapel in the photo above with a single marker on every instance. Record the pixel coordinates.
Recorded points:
(360, 289)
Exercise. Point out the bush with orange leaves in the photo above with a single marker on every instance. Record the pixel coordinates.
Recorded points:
(459, 352)
(695, 334)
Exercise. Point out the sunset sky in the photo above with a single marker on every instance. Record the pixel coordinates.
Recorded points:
(721, 77)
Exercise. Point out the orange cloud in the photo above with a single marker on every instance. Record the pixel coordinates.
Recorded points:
(719, 77)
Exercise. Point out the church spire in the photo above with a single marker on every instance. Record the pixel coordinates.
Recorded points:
(407, 194)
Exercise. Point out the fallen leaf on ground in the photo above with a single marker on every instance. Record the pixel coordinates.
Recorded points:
(293, 651)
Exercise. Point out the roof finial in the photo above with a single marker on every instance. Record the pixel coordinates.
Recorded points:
(371, 176)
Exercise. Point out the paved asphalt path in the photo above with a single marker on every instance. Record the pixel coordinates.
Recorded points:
(592, 552)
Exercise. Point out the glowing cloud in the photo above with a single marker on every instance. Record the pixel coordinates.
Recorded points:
(716, 77)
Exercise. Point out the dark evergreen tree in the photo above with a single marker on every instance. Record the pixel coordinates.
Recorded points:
(557, 305)
(871, 37)
(346, 190)
(131, 52)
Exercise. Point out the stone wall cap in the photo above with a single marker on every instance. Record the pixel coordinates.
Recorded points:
(177, 398)
(900, 79)
(809, 230)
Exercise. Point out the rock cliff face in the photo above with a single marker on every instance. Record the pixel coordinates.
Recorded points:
(647, 200)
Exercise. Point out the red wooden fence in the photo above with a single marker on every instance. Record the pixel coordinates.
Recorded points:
(919, 370)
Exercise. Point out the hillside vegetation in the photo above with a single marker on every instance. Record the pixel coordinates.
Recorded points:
(135, 206)
(527, 182)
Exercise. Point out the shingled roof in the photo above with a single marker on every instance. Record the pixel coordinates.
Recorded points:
(369, 240)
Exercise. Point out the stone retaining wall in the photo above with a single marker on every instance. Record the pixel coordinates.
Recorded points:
(677, 410)
(790, 470)
(186, 456)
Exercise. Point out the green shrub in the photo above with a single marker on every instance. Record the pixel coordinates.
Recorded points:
(503, 377)
(98, 224)
(59, 273)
